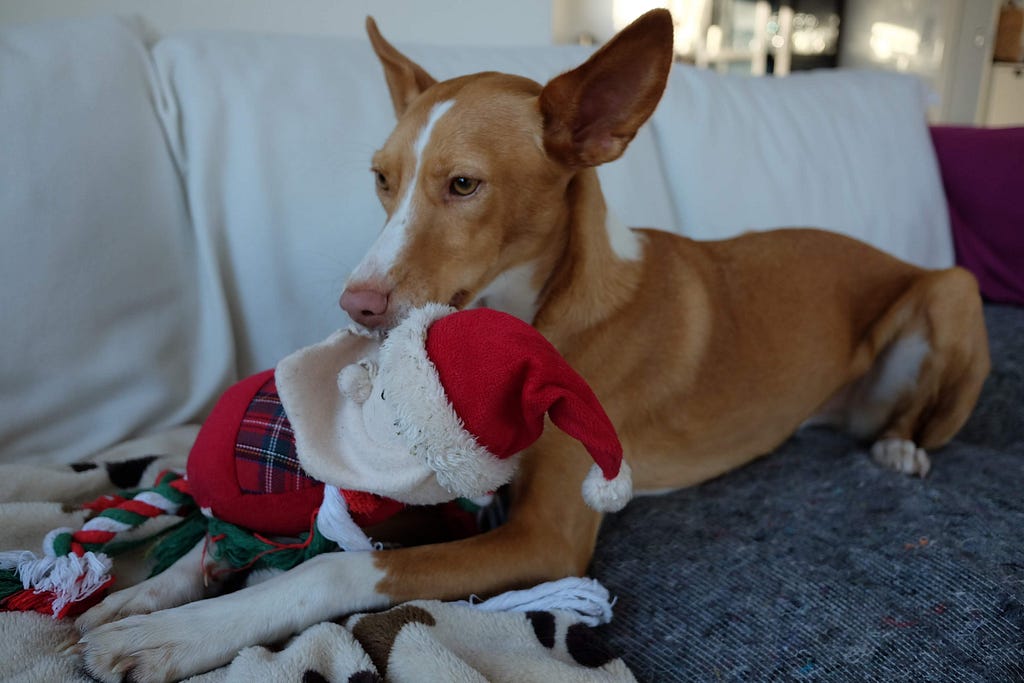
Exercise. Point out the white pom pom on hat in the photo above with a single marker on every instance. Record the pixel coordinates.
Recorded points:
(470, 390)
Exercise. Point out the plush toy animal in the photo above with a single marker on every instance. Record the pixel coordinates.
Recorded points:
(438, 410)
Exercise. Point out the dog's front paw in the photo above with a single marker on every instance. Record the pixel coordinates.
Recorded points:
(901, 455)
(140, 599)
(179, 584)
(162, 646)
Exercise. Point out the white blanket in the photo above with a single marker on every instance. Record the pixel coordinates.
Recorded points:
(416, 641)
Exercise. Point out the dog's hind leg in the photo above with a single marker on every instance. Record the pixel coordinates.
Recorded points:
(929, 372)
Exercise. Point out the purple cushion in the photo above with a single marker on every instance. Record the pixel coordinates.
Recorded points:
(983, 175)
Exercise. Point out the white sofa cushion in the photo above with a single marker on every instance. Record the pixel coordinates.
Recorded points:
(843, 150)
(276, 133)
(102, 336)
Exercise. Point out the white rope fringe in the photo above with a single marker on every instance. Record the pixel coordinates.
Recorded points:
(586, 598)
(337, 525)
(70, 578)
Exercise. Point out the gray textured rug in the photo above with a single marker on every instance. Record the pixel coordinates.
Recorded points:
(814, 564)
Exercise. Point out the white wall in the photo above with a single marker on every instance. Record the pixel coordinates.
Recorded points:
(946, 42)
(482, 22)
(573, 19)
(596, 19)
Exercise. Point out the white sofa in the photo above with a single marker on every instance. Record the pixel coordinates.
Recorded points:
(180, 211)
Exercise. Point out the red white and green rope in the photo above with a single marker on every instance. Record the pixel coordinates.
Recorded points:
(73, 566)
(74, 570)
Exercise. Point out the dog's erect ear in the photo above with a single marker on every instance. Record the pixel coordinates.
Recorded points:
(406, 79)
(592, 112)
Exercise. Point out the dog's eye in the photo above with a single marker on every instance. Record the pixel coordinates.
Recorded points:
(463, 187)
(382, 180)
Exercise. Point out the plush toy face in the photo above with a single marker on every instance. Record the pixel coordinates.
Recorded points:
(372, 455)
(344, 425)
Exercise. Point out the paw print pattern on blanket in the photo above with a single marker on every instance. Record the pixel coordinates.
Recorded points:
(377, 632)
(431, 640)
(428, 639)
(580, 641)
(311, 676)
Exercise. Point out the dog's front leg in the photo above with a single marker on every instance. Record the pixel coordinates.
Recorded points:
(550, 535)
(180, 583)
(175, 643)
(200, 636)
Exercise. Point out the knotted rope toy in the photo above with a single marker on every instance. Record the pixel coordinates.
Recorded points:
(437, 410)
(74, 569)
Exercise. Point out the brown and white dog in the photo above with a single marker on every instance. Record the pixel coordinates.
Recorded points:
(705, 355)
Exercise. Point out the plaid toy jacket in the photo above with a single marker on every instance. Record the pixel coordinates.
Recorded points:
(244, 468)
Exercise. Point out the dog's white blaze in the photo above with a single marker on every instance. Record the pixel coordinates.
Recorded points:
(625, 242)
(512, 292)
(389, 244)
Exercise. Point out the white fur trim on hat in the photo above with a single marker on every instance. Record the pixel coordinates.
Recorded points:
(426, 419)
(608, 495)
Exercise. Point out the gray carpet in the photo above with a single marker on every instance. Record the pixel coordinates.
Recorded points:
(814, 564)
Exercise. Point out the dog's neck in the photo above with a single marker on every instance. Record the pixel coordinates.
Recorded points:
(593, 270)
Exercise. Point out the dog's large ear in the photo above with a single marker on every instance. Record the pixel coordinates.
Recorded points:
(406, 79)
(592, 112)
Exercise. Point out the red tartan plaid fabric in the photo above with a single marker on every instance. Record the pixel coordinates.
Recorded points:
(265, 456)
(246, 451)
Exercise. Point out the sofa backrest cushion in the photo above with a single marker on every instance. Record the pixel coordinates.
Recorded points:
(102, 337)
(276, 134)
(983, 173)
(844, 150)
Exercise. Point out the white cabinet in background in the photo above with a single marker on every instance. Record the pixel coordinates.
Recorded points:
(1006, 95)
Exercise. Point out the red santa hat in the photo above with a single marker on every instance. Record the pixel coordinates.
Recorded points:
(469, 391)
